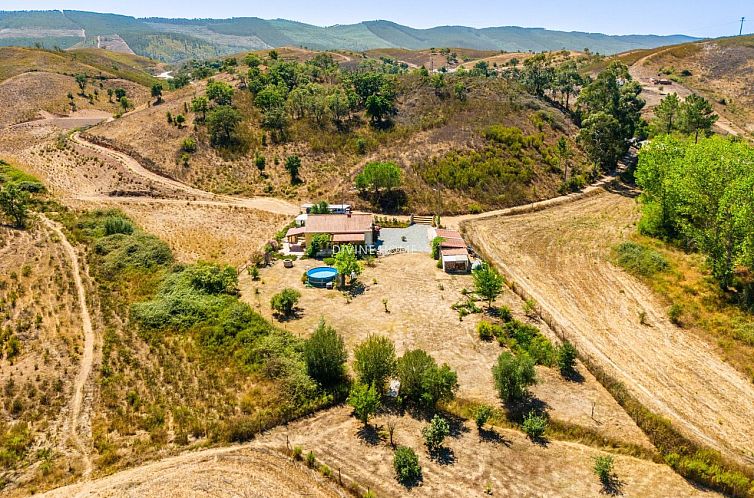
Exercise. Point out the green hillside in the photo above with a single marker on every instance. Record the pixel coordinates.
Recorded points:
(173, 40)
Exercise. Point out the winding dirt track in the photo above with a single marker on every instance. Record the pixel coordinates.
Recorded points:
(77, 417)
(560, 257)
(230, 471)
(269, 204)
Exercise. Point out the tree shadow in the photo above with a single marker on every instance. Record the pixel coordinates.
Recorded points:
(517, 410)
(370, 434)
(443, 456)
(612, 486)
(296, 314)
(412, 483)
(573, 375)
(494, 437)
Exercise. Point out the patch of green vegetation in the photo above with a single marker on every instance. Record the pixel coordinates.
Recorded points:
(24, 181)
(496, 175)
(639, 260)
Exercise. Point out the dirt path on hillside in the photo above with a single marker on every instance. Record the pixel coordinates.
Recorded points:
(231, 471)
(653, 93)
(560, 257)
(78, 424)
(269, 204)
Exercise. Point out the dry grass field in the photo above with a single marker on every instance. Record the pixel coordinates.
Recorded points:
(504, 462)
(419, 300)
(41, 343)
(560, 256)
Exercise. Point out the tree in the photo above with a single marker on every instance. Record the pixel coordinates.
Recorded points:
(534, 425)
(222, 122)
(537, 75)
(292, 166)
(219, 92)
(488, 283)
(320, 208)
(566, 358)
(513, 375)
(697, 115)
(365, 401)
(325, 355)
(14, 203)
(285, 301)
(379, 107)
(666, 114)
(406, 465)
(564, 154)
(435, 433)
(601, 138)
(375, 361)
(567, 81)
(81, 82)
(200, 105)
(346, 263)
(120, 93)
(379, 176)
(110, 94)
(125, 103)
(318, 243)
(439, 84)
(260, 162)
(180, 120)
(157, 92)
(423, 383)
(460, 91)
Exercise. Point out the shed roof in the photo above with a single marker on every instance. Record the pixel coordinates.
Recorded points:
(455, 243)
(295, 231)
(454, 252)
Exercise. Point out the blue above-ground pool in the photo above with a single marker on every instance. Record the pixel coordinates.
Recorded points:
(321, 276)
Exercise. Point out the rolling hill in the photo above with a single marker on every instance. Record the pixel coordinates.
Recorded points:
(173, 40)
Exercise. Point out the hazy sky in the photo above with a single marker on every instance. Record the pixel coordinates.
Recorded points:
(691, 17)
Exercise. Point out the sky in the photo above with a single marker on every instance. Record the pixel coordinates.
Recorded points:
(704, 18)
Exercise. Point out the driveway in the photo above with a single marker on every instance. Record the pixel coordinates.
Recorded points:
(392, 239)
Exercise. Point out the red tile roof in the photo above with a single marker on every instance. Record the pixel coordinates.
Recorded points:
(454, 252)
(338, 223)
(453, 243)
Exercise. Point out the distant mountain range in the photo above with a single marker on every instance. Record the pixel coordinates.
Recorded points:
(173, 40)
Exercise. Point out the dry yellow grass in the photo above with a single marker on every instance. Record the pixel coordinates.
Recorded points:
(419, 299)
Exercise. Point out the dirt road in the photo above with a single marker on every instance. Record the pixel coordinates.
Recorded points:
(230, 471)
(560, 257)
(78, 424)
(652, 93)
(269, 204)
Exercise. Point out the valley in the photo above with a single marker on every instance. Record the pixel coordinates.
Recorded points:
(160, 331)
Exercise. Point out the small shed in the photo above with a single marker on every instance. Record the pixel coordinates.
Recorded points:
(455, 260)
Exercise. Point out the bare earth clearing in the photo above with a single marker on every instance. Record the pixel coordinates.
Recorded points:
(419, 300)
(560, 257)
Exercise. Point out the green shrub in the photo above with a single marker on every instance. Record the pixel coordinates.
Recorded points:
(423, 382)
(329, 261)
(311, 460)
(566, 358)
(298, 451)
(513, 375)
(674, 313)
(375, 361)
(603, 468)
(188, 145)
(505, 313)
(640, 260)
(406, 465)
(482, 414)
(285, 301)
(534, 425)
(325, 355)
(488, 330)
(435, 433)
(118, 224)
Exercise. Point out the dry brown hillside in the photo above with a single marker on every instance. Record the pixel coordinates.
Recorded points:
(430, 134)
(721, 70)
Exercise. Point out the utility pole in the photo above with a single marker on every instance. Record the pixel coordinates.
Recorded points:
(741, 31)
